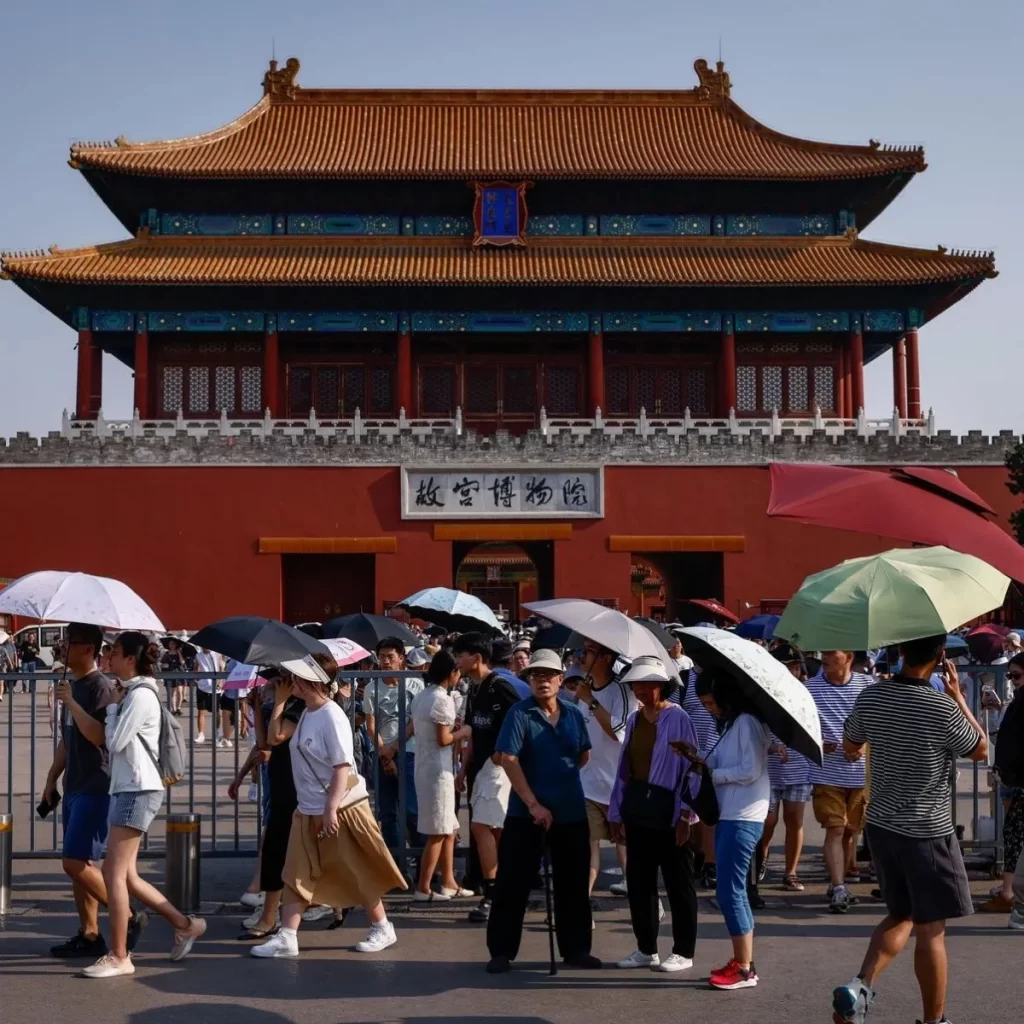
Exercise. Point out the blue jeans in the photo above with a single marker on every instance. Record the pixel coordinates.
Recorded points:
(387, 796)
(735, 843)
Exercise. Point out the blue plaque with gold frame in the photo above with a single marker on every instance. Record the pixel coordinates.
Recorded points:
(499, 212)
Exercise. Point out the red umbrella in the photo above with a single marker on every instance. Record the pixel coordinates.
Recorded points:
(709, 604)
(922, 506)
(986, 642)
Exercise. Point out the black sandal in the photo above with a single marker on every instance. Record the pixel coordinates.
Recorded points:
(254, 934)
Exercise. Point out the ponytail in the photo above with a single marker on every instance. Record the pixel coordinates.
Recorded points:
(136, 645)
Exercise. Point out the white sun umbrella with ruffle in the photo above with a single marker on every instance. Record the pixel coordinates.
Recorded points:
(52, 595)
(605, 626)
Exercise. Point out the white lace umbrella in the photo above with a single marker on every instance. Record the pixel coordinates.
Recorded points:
(605, 626)
(453, 609)
(784, 702)
(55, 596)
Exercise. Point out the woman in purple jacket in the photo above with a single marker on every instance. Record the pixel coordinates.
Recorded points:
(649, 811)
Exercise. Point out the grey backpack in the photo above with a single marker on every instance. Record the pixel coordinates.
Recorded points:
(171, 756)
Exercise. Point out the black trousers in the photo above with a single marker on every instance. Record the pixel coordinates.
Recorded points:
(519, 859)
(647, 850)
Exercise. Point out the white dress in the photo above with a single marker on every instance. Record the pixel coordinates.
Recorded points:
(435, 776)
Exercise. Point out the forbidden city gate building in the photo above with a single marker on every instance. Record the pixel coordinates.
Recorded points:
(497, 261)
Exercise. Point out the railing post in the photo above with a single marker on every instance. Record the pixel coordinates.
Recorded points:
(181, 867)
(6, 852)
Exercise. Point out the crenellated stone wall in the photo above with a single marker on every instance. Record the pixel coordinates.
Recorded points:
(596, 447)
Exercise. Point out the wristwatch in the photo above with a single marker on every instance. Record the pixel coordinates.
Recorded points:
(593, 705)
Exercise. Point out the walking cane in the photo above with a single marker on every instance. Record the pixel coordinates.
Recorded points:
(551, 913)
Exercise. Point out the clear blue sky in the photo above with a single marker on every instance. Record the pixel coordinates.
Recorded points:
(938, 72)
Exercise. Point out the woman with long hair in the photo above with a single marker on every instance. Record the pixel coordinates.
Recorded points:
(336, 855)
(738, 761)
(137, 791)
(650, 813)
(433, 716)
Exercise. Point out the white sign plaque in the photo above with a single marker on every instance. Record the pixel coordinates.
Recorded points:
(515, 493)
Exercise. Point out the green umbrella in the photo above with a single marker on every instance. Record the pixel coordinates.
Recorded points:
(889, 598)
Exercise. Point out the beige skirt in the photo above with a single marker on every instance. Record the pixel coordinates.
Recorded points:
(351, 869)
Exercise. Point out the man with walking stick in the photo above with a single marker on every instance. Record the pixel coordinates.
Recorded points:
(542, 746)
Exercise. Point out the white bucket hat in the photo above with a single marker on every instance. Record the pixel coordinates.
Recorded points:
(545, 659)
(646, 669)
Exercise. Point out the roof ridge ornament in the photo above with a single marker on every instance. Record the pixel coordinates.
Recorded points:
(281, 83)
(712, 83)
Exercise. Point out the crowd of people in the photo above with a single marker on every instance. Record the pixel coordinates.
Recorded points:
(553, 753)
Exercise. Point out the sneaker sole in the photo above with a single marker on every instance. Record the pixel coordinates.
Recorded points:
(751, 983)
(280, 955)
(664, 969)
(835, 908)
(633, 966)
(844, 1003)
(114, 974)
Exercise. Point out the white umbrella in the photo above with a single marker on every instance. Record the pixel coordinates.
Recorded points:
(345, 651)
(453, 609)
(55, 596)
(785, 703)
(605, 626)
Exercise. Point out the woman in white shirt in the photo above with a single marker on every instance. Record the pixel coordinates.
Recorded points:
(738, 761)
(137, 791)
(336, 855)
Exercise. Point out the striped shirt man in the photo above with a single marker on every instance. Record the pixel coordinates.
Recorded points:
(835, 703)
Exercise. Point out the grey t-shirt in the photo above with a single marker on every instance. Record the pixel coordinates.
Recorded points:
(381, 701)
(86, 766)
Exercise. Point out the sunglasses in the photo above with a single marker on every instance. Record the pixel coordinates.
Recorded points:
(1015, 675)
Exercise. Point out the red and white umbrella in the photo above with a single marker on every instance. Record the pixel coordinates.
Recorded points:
(346, 652)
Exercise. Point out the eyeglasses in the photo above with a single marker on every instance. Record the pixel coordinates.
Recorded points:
(1015, 675)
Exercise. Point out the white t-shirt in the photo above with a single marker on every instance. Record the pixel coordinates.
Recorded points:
(598, 774)
(325, 739)
(207, 661)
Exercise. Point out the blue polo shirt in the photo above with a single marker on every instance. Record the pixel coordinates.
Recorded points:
(549, 757)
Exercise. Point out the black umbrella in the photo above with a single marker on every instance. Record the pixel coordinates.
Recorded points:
(368, 630)
(658, 631)
(553, 638)
(254, 640)
(313, 629)
(436, 631)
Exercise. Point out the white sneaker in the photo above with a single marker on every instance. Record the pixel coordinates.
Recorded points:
(459, 893)
(257, 915)
(223, 743)
(316, 913)
(200, 739)
(638, 959)
(381, 936)
(851, 1002)
(110, 966)
(252, 899)
(673, 963)
(1016, 922)
(431, 897)
(278, 945)
(618, 888)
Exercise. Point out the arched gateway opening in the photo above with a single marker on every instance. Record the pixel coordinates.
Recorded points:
(505, 575)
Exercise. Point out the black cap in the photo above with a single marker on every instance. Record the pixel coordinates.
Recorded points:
(501, 649)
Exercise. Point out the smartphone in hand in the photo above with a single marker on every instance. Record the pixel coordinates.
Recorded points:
(44, 808)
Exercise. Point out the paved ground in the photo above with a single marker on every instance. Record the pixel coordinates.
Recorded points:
(436, 970)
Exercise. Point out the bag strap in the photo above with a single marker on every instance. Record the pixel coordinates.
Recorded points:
(298, 746)
(160, 739)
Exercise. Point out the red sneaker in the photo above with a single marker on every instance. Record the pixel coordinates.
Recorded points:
(732, 976)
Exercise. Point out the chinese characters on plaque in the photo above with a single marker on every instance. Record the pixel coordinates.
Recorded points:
(512, 493)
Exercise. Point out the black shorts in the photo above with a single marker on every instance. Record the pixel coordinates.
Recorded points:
(204, 700)
(923, 880)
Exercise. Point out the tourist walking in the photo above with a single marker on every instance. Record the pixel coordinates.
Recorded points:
(649, 811)
(1009, 767)
(839, 782)
(81, 758)
(707, 729)
(206, 694)
(738, 760)
(607, 703)
(173, 661)
(543, 745)
(336, 855)
(915, 735)
(488, 702)
(383, 719)
(433, 716)
(132, 733)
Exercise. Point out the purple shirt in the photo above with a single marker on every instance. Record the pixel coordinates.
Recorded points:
(667, 767)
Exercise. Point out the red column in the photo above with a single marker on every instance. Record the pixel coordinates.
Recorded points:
(727, 367)
(96, 398)
(142, 366)
(596, 353)
(913, 376)
(899, 378)
(83, 395)
(857, 367)
(270, 361)
(405, 372)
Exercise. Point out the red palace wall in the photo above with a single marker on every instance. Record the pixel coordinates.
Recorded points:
(187, 538)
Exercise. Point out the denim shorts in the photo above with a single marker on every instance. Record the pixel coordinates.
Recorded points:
(85, 825)
(135, 810)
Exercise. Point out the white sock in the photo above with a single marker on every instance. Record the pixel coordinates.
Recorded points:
(291, 934)
(382, 923)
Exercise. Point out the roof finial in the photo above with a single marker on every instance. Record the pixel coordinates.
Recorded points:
(712, 83)
(281, 84)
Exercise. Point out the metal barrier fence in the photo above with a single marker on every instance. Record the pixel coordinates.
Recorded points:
(30, 732)
(230, 828)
